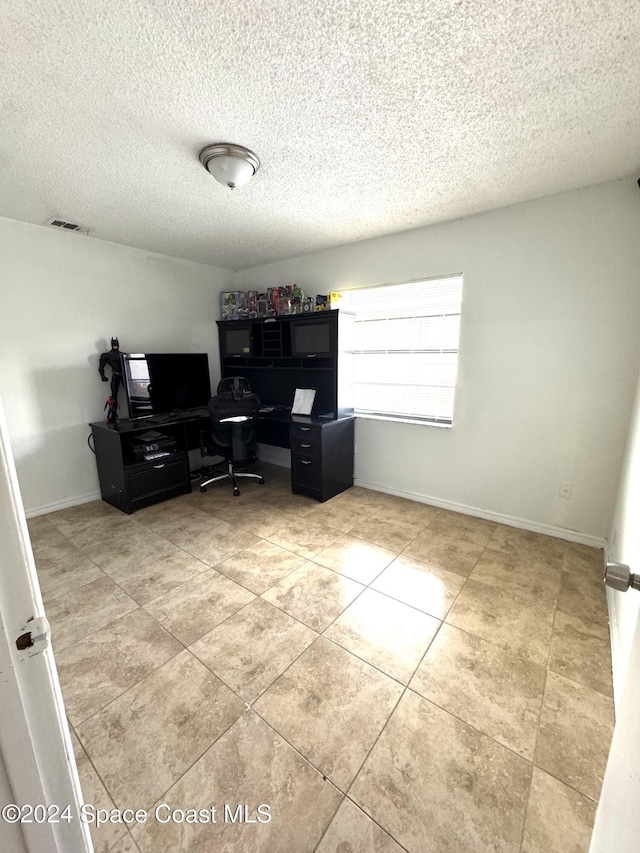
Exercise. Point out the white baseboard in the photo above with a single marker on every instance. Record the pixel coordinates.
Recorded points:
(67, 502)
(477, 512)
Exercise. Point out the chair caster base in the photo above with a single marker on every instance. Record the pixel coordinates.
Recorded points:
(203, 489)
(236, 492)
(261, 481)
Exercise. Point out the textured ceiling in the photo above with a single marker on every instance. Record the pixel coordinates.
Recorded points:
(369, 116)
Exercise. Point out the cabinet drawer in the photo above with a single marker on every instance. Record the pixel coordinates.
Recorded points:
(306, 471)
(308, 446)
(306, 433)
(157, 478)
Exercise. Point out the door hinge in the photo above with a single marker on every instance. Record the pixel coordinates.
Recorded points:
(35, 636)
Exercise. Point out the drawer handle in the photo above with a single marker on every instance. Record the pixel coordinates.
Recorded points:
(312, 354)
(305, 429)
(304, 445)
(305, 461)
(159, 466)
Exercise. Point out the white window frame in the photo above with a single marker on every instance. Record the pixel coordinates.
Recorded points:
(435, 339)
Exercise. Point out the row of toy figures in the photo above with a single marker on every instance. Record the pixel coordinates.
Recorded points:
(112, 359)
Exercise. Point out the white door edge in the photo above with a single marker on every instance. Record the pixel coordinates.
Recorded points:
(34, 734)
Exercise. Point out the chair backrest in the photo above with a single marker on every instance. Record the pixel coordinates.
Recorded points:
(235, 386)
(236, 441)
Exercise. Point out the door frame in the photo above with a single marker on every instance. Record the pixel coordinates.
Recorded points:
(34, 735)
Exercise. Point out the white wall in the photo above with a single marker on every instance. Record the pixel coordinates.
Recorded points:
(624, 547)
(549, 354)
(63, 296)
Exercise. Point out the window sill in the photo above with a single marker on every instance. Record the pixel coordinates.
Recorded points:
(401, 420)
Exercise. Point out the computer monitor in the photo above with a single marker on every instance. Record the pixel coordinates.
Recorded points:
(160, 383)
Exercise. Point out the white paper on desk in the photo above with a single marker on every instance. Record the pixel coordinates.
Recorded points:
(303, 401)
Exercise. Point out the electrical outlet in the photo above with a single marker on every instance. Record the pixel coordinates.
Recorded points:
(566, 491)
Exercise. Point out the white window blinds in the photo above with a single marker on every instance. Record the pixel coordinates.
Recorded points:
(406, 348)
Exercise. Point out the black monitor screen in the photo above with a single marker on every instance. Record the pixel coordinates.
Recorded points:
(178, 381)
(236, 341)
(310, 338)
(158, 383)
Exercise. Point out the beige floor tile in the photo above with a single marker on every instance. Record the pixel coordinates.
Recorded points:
(580, 650)
(584, 596)
(407, 512)
(330, 706)
(385, 633)
(164, 516)
(75, 519)
(44, 535)
(445, 552)
(436, 784)
(42, 532)
(183, 530)
(524, 627)
(352, 831)
(394, 535)
(111, 660)
(249, 764)
(341, 518)
(304, 538)
(533, 580)
(213, 548)
(484, 685)
(106, 836)
(584, 560)
(356, 559)
(514, 542)
(127, 554)
(260, 566)
(359, 498)
(77, 614)
(427, 587)
(253, 647)
(125, 845)
(150, 572)
(283, 501)
(145, 740)
(110, 538)
(195, 607)
(214, 500)
(575, 734)
(464, 527)
(314, 595)
(559, 819)
(255, 518)
(62, 569)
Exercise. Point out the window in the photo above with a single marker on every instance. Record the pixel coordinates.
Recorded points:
(406, 349)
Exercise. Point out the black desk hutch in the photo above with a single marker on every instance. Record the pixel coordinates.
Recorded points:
(277, 355)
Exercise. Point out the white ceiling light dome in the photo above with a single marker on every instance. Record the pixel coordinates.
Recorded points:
(231, 165)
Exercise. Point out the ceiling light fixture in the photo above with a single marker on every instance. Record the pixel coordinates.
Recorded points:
(231, 165)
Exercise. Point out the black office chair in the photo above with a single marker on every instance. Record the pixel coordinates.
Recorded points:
(232, 433)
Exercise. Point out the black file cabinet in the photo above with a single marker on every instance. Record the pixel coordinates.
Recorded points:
(321, 456)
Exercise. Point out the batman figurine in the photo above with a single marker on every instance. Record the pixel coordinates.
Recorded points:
(112, 359)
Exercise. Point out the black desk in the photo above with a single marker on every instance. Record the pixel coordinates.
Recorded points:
(321, 455)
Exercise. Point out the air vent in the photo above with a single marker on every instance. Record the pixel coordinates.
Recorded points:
(68, 226)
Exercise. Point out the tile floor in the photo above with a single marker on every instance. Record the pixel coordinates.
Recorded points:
(386, 676)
